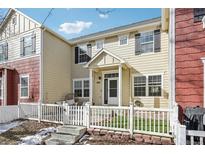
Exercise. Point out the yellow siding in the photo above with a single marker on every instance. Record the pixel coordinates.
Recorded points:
(150, 63)
(57, 68)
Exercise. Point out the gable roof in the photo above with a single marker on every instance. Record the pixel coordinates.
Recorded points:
(103, 50)
(111, 31)
(33, 20)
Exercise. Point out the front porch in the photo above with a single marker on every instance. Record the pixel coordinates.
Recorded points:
(110, 78)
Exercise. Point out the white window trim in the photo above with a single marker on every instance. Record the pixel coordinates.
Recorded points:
(97, 41)
(148, 42)
(81, 79)
(147, 87)
(1, 88)
(22, 76)
(120, 36)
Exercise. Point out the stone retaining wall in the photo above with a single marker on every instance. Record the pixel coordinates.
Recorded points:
(125, 136)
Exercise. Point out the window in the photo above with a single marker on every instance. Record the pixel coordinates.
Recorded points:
(199, 13)
(83, 53)
(1, 88)
(147, 42)
(99, 44)
(123, 40)
(28, 45)
(3, 52)
(140, 86)
(148, 85)
(24, 86)
(81, 88)
(155, 83)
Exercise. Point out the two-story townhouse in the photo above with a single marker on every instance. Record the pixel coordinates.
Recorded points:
(123, 64)
(34, 61)
(189, 57)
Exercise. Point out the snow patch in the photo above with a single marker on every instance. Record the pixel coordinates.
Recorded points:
(6, 126)
(38, 137)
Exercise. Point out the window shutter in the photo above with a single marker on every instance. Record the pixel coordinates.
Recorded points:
(137, 44)
(76, 55)
(157, 40)
(6, 51)
(33, 43)
(22, 53)
(89, 51)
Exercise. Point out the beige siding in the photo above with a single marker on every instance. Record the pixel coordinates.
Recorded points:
(57, 68)
(23, 24)
(13, 39)
(150, 63)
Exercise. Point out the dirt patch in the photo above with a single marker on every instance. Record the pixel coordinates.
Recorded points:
(29, 127)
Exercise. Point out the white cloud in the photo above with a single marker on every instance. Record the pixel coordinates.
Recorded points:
(104, 16)
(74, 27)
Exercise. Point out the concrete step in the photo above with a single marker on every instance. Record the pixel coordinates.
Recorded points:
(73, 130)
(53, 141)
(65, 137)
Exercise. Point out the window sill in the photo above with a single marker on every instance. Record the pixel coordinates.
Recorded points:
(147, 97)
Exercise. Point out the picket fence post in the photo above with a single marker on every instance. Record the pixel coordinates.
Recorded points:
(87, 114)
(19, 115)
(131, 118)
(39, 111)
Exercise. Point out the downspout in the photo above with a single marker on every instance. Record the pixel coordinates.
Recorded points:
(172, 82)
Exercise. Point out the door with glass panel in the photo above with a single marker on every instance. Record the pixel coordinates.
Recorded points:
(111, 89)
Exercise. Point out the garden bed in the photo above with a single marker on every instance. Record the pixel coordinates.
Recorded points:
(28, 128)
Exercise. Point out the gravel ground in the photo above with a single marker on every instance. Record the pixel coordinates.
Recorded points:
(29, 127)
(101, 140)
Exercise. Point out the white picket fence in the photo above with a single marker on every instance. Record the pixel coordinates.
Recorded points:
(8, 113)
(132, 119)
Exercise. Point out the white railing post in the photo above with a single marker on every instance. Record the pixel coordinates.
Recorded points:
(87, 114)
(174, 119)
(19, 115)
(131, 118)
(39, 111)
(181, 134)
(65, 112)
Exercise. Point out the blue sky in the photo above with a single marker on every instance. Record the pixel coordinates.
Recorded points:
(74, 22)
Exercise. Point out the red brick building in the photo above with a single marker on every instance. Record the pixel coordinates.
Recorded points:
(189, 52)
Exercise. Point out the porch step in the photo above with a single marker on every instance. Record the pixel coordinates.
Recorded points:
(69, 129)
(66, 135)
(53, 141)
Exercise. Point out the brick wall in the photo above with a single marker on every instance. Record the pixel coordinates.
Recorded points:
(27, 66)
(190, 47)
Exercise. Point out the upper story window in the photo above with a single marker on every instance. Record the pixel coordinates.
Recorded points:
(150, 85)
(123, 40)
(3, 52)
(24, 86)
(83, 53)
(28, 45)
(199, 13)
(147, 42)
(99, 44)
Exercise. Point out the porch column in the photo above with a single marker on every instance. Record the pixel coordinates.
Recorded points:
(120, 85)
(91, 86)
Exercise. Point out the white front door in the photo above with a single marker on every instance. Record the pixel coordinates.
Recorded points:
(113, 91)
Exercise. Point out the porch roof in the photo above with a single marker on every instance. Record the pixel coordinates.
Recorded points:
(116, 59)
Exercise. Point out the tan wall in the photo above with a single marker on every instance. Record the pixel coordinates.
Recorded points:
(151, 63)
(13, 37)
(57, 68)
